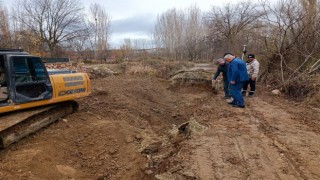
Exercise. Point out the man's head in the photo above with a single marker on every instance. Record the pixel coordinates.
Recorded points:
(227, 54)
(220, 61)
(228, 57)
(250, 57)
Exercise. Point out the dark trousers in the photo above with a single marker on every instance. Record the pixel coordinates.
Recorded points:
(226, 88)
(252, 87)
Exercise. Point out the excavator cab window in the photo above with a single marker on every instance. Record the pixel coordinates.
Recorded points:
(3, 82)
(31, 79)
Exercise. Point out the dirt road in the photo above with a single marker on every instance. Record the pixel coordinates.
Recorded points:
(264, 141)
(127, 129)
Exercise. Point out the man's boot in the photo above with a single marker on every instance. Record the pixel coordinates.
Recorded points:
(251, 93)
(244, 93)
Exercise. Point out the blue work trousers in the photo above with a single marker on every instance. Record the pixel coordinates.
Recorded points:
(236, 93)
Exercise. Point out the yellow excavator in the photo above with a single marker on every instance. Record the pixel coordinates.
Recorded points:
(32, 97)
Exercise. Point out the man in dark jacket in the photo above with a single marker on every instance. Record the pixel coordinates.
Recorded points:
(237, 75)
(223, 68)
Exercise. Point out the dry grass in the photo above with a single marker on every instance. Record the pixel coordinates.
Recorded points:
(140, 69)
(314, 100)
(302, 87)
(157, 67)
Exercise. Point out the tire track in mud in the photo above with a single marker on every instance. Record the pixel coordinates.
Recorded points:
(280, 127)
(267, 128)
(245, 145)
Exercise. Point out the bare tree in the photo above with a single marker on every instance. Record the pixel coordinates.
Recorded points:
(194, 33)
(141, 44)
(5, 37)
(168, 33)
(290, 34)
(293, 36)
(24, 38)
(83, 45)
(227, 24)
(126, 49)
(180, 33)
(53, 21)
(101, 24)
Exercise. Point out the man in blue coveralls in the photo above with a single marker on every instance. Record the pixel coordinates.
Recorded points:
(237, 75)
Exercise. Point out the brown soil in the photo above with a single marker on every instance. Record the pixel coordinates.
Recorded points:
(128, 129)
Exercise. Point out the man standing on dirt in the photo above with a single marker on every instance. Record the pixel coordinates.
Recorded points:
(223, 68)
(237, 75)
(253, 70)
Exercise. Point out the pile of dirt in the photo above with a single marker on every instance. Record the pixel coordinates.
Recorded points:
(74, 66)
(189, 78)
(100, 72)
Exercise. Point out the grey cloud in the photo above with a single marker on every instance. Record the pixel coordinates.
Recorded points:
(139, 24)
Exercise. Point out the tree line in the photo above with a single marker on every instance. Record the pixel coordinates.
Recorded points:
(284, 35)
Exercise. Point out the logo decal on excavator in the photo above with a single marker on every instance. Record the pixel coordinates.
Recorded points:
(72, 91)
(73, 81)
(73, 78)
(76, 83)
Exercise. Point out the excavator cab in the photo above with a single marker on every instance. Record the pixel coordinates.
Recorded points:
(23, 78)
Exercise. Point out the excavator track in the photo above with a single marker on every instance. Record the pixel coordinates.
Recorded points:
(17, 125)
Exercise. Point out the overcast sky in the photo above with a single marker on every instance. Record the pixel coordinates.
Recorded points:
(135, 19)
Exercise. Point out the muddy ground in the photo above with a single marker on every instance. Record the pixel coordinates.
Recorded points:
(129, 129)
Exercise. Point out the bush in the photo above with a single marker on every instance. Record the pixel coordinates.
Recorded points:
(302, 86)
